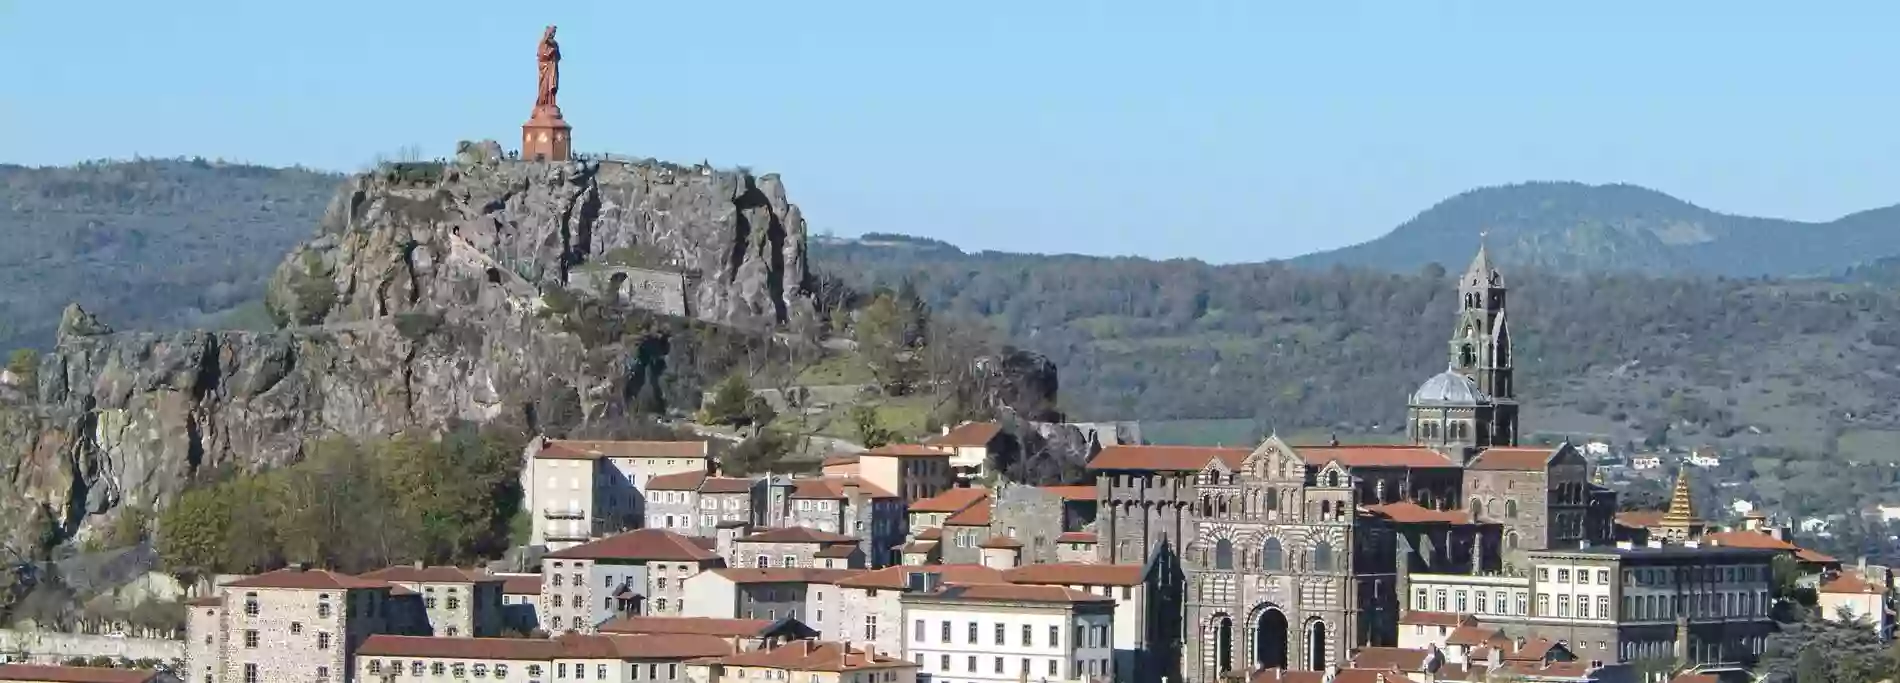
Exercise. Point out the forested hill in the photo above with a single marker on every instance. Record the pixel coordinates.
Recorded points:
(1682, 361)
(147, 244)
(1577, 228)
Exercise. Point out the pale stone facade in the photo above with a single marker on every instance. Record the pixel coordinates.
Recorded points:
(989, 632)
(611, 658)
(638, 572)
(287, 625)
(581, 490)
(455, 601)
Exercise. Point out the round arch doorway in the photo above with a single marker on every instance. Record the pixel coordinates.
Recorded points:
(1270, 636)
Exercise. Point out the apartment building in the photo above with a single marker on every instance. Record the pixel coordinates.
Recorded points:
(796, 547)
(931, 513)
(696, 503)
(638, 572)
(998, 632)
(971, 446)
(750, 593)
(287, 625)
(581, 490)
(609, 658)
(839, 505)
(1129, 585)
(1862, 594)
(805, 661)
(867, 608)
(453, 601)
(911, 471)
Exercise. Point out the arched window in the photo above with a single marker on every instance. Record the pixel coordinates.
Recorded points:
(1323, 557)
(1510, 541)
(1273, 499)
(1332, 479)
(1476, 509)
(1224, 554)
(1272, 555)
(1510, 508)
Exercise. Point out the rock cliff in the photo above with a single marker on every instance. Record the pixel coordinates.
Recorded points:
(431, 293)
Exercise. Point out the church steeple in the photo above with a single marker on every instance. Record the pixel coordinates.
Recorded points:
(1481, 345)
(1680, 522)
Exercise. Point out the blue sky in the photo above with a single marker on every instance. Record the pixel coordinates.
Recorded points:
(1224, 131)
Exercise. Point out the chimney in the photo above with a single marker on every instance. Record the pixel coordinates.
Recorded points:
(1655, 543)
(418, 564)
(1861, 565)
(870, 653)
(1691, 544)
(1625, 545)
(805, 646)
(295, 566)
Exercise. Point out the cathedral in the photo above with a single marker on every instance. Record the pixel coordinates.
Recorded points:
(1293, 555)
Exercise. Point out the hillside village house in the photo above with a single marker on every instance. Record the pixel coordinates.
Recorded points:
(454, 601)
(932, 512)
(695, 503)
(521, 602)
(805, 661)
(638, 572)
(867, 608)
(581, 490)
(848, 506)
(910, 471)
(1646, 462)
(1003, 632)
(971, 446)
(1862, 593)
(287, 625)
(750, 593)
(573, 656)
(795, 547)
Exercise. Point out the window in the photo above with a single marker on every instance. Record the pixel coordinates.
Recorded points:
(1563, 576)
(501, 671)
(789, 561)
(1603, 577)
(1224, 554)
(1482, 602)
(452, 632)
(323, 608)
(375, 666)
(870, 627)
(972, 640)
(763, 562)
(1055, 636)
(415, 669)
(1439, 595)
(429, 602)
(662, 583)
(1543, 573)
(1420, 601)
(250, 604)
(323, 673)
(1543, 605)
(250, 672)
(323, 641)
(1272, 556)
(1462, 606)
(557, 579)
(970, 663)
(943, 663)
(481, 670)
(454, 602)
(946, 632)
(999, 665)
(557, 600)
(296, 627)
(1052, 667)
(1583, 607)
(250, 640)
(999, 636)
(659, 605)
(918, 628)
(1029, 637)
(600, 671)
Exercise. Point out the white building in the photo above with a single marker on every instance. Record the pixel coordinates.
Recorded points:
(639, 572)
(1487, 596)
(868, 608)
(610, 658)
(1646, 462)
(1705, 457)
(1863, 594)
(993, 632)
(581, 490)
(1596, 449)
(970, 445)
(1124, 583)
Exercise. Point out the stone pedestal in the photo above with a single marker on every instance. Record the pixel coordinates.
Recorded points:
(546, 136)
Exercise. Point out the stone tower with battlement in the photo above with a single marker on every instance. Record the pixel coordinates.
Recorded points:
(1473, 403)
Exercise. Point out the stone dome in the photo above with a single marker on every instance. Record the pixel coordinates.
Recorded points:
(1449, 388)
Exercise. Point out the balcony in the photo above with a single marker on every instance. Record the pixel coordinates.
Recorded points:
(563, 513)
(566, 535)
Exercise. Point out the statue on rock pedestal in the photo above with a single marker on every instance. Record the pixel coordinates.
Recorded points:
(546, 136)
(549, 57)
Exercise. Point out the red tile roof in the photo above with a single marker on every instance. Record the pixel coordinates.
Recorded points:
(1165, 458)
(703, 626)
(1374, 456)
(840, 459)
(1686, 677)
(1851, 581)
(835, 488)
(1759, 540)
(1342, 676)
(310, 579)
(639, 545)
(571, 645)
(1076, 537)
(934, 533)
(841, 550)
(975, 515)
(414, 574)
(951, 500)
(1001, 543)
(206, 601)
(1074, 574)
(904, 450)
(593, 450)
(1393, 658)
(1513, 459)
(1082, 492)
(1571, 669)
(1422, 618)
(898, 577)
(1002, 592)
(677, 481)
(1473, 635)
(74, 674)
(796, 534)
(785, 574)
(726, 485)
(1408, 512)
(521, 585)
(810, 655)
(1812, 557)
(919, 546)
(969, 434)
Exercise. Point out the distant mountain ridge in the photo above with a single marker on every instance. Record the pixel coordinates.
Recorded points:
(1576, 228)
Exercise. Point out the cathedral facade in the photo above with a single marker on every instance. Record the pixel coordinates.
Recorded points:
(1295, 555)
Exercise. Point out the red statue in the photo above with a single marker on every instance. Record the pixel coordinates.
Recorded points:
(550, 59)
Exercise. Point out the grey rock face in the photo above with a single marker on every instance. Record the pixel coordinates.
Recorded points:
(421, 300)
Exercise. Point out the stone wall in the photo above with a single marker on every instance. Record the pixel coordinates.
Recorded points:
(660, 291)
(43, 647)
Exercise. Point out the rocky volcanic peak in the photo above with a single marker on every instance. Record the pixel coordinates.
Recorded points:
(420, 301)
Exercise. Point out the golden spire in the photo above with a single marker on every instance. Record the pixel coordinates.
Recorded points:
(1680, 522)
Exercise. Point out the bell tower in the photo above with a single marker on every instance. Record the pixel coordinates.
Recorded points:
(1481, 345)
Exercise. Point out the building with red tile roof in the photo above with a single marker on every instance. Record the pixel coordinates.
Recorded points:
(640, 571)
(395, 657)
(35, 673)
(972, 447)
(581, 490)
(805, 660)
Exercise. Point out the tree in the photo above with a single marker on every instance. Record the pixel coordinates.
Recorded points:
(730, 404)
(880, 336)
(761, 453)
(25, 364)
(191, 533)
(865, 420)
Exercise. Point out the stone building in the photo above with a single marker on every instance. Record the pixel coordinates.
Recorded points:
(651, 289)
(1295, 555)
(287, 625)
(1037, 515)
(964, 534)
(748, 593)
(572, 656)
(806, 660)
(454, 601)
(638, 572)
(796, 547)
(868, 609)
(581, 490)
(839, 505)
(694, 503)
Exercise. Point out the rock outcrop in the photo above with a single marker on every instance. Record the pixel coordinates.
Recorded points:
(426, 297)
